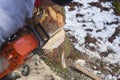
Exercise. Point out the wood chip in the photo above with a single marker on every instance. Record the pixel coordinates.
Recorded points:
(88, 73)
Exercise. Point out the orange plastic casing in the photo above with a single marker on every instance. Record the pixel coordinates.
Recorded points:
(17, 52)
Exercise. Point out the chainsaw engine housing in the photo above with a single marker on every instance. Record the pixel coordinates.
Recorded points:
(17, 52)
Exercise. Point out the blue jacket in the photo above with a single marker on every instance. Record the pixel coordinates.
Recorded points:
(12, 16)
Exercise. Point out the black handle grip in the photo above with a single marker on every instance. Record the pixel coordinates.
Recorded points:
(41, 40)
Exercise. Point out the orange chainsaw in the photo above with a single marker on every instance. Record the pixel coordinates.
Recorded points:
(19, 48)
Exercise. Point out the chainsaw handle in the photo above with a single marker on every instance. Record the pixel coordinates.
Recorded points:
(46, 34)
(41, 40)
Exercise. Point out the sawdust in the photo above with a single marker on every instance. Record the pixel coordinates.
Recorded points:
(39, 71)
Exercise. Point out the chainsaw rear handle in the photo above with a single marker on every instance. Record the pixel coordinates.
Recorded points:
(41, 40)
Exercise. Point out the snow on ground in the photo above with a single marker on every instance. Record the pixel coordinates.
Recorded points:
(98, 24)
(93, 24)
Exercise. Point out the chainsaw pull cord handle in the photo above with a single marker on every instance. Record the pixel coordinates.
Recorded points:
(39, 37)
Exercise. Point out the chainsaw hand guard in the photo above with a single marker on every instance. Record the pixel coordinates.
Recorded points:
(39, 36)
